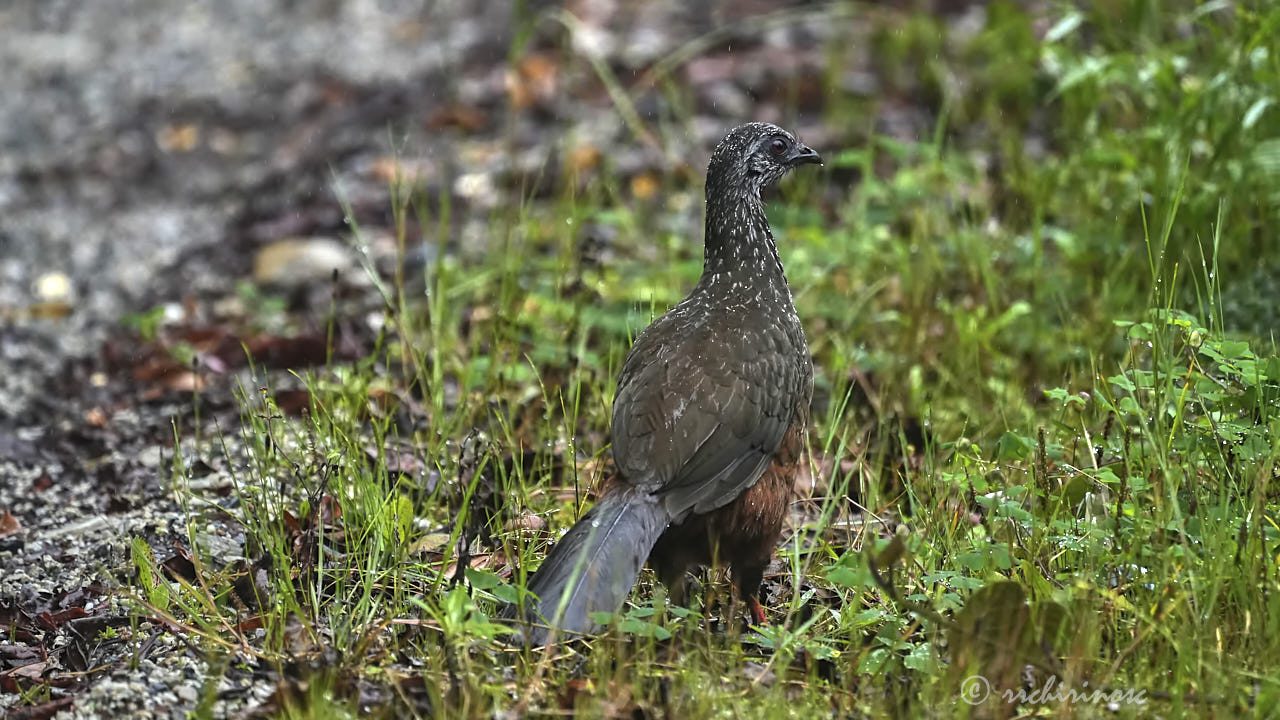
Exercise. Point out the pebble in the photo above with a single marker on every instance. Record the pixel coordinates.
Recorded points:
(299, 262)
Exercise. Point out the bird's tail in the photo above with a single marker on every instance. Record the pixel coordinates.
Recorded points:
(594, 566)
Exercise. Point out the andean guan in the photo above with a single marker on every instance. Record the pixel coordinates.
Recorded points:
(708, 421)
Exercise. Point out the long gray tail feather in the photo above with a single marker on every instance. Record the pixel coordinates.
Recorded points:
(594, 566)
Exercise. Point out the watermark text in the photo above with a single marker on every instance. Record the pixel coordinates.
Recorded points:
(976, 690)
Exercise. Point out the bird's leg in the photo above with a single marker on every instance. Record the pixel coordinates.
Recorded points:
(672, 569)
(749, 579)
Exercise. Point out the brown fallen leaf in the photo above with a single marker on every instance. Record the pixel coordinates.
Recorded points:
(644, 186)
(181, 565)
(180, 381)
(33, 671)
(532, 81)
(293, 402)
(430, 543)
(462, 117)
(528, 523)
(496, 562)
(53, 621)
(42, 711)
(178, 138)
(583, 158)
(9, 524)
(96, 417)
(49, 310)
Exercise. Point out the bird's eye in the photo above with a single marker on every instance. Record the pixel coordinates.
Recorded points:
(778, 146)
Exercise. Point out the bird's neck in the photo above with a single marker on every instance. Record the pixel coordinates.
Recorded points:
(738, 240)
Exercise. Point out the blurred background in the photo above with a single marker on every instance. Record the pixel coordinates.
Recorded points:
(495, 196)
(151, 152)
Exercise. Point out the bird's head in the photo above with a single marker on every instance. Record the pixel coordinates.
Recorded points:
(753, 156)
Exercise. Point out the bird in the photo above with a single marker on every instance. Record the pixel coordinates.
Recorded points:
(709, 418)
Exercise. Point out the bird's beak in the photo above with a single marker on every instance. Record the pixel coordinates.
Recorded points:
(805, 155)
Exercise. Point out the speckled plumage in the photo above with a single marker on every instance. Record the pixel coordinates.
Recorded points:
(709, 416)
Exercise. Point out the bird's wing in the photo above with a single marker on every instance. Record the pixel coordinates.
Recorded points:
(694, 417)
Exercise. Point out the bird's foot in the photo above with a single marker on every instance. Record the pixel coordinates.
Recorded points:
(757, 611)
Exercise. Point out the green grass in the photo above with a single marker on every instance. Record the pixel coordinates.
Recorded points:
(1045, 434)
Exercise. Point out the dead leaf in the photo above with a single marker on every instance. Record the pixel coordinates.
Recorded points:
(644, 186)
(49, 310)
(293, 402)
(462, 117)
(42, 711)
(496, 561)
(33, 671)
(96, 417)
(181, 565)
(615, 699)
(431, 542)
(532, 81)
(9, 524)
(53, 621)
(528, 523)
(299, 640)
(178, 138)
(583, 158)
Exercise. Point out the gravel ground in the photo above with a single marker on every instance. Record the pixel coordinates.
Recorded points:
(149, 151)
(129, 170)
(141, 126)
